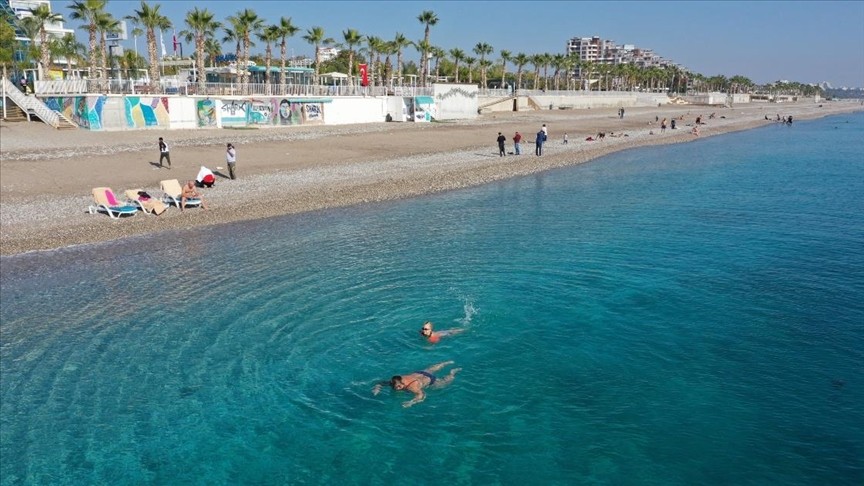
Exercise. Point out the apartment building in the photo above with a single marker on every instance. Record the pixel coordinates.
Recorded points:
(606, 51)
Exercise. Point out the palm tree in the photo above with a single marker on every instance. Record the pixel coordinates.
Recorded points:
(482, 49)
(201, 25)
(537, 61)
(42, 13)
(246, 24)
(131, 62)
(427, 18)
(506, 56)
(286, 30)
(150, 18)
(520, 61)
(70, 49)
(400, 42)
(352, 39)
(315, 36)
(105, 24)
(438, 53)
(373, 46)
(270, 35)
(89, 11)
(469, 62)
(234, 34)
(458, 56)
(213, 48)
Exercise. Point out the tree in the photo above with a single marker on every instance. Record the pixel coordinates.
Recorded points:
(42, 13)
(352, 39)
(469, 63)
(286, 30)
(89, 11)
(70, 49)
(7, 45)
(315, 36)
(427, 18)
(400, 42)
(213, 48)
(105, 24)
(373, 45)
(506, 56)
(201, 25)
(246, 24)
(150, 18)
(268, 36)
(458, 56)
(482, 49)
(520, 61)
(438, 53)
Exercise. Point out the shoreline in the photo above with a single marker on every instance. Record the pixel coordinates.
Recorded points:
(45, 191)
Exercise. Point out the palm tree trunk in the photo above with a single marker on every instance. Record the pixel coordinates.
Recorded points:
(154, 59)
(199, 63)
(282, 71)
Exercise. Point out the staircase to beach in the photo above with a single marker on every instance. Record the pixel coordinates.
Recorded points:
(23, 107)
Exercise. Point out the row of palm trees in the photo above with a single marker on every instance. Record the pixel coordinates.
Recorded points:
(245, 27)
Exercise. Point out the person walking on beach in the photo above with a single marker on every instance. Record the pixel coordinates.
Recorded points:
(435, 336)
(541, 137)
(663, 126)
(516, 140)
(417, 381)
(231, 159)
(163, 153)
(501, 150)
(673, 124)
(565, 138)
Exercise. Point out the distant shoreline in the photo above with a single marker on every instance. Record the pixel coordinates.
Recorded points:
(45, 191)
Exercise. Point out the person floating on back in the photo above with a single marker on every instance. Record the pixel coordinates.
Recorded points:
(435, 336)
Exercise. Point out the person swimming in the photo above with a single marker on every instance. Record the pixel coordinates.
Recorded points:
(435, 336)
(417, 381)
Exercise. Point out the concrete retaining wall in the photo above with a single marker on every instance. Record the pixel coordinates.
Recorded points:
(456, 101)
(577, 101)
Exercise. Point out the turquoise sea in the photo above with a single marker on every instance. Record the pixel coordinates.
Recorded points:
(676, 315)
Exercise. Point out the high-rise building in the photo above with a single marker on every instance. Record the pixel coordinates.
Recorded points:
(21, 9)
(606, 51)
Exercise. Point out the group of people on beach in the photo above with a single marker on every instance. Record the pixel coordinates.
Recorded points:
(205, 177)
(539, 140)
(416, 382)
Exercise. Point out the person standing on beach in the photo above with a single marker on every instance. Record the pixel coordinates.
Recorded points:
(501, 150)
(516, 140)
(231, 159)
(163, 153)
(565, 138)
(541, 137)
(545, 132)
(663, 126)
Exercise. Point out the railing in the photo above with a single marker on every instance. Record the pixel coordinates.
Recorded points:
(173, 87)
(31, 103)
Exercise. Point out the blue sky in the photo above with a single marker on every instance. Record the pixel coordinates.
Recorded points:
(766, 41)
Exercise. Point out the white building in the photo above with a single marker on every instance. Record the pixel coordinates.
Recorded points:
(22, 9)
(327, 53)
(605, 51)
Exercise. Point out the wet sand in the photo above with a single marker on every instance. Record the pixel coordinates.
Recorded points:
(46, 175)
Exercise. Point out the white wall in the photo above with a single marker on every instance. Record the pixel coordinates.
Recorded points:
(456, 101)
(182, 112)
(114, 113)
(347, 110)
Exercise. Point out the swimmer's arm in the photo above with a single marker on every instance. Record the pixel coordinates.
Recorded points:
(377, 388)
(419, 396)
(450, 332)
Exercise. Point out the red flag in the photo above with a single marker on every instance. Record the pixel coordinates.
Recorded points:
(364, 77)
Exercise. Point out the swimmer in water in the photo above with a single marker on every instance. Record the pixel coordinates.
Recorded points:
(435, 336)
(415, 382)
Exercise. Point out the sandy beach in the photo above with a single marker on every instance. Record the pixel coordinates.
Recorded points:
(46, 175)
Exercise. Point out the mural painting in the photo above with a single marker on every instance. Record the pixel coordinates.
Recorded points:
(260, 112)
(288, 113)
(206, 113)
(313, 113)
(423, 107)
(146, 112)
(233, 113)
(85, 111)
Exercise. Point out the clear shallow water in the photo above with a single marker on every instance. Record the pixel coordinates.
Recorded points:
(689, 314)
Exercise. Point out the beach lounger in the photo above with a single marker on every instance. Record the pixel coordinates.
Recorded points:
(106, 202)
(150, 205)
(172, 191)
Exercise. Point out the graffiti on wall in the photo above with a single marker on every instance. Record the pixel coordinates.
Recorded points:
(288, 113)
(146, 112)
(85, 111)
(260, 112)
(233, 113)
(313, 113)
(206, 113)
(423, 107)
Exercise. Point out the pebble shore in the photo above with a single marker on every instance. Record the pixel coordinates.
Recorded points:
(459, 154)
